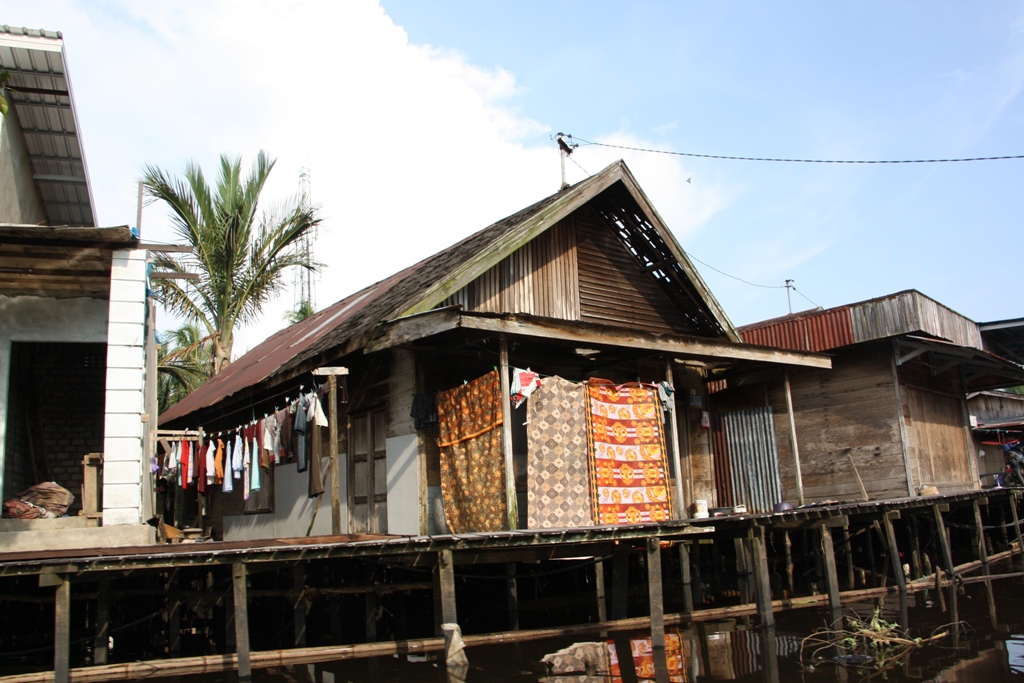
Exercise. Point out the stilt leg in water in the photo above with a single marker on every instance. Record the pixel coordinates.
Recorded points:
(238, 579)
(655, 594)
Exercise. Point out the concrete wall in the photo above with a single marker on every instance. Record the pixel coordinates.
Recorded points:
(28, 319)
(125, 479)
(19, 200)
(293, 510)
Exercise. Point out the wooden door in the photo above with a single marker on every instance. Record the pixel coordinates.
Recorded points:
(368, 492)
(937, 442)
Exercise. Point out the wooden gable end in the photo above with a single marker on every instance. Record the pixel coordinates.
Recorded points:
(578, 269)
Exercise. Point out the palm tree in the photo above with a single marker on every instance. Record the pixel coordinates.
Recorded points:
(184, 361)
(240, 254)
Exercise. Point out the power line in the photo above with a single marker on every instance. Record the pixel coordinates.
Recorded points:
(802, 161)
(722, 272)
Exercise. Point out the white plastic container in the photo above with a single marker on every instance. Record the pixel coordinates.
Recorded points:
(700, 509)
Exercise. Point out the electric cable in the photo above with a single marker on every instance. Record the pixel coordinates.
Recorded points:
(801, 161)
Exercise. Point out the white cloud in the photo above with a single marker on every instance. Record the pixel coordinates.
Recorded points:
(409, 147)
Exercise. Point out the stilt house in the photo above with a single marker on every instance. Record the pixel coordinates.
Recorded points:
(73, 320)
(889, 419)
(586, 283)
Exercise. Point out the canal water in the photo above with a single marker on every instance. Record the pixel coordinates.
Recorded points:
(988, 647)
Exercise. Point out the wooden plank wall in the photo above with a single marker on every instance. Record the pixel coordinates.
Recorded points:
(848, 411)
(613, 289)
(910, 312)
(937, 429)
(695, 441)
(541, 278)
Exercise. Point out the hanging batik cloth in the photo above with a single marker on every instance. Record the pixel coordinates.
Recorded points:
(629, 470)
(472, 466)
(557, 469)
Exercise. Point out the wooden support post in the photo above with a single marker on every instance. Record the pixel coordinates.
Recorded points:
(742, 569)
(446, 576)
(915, 547)
(656, 598)
(947, 559)
(506, 433)
(770, 656)
(238, 579)
(680, 507)
(333, 430)
(299, 602)
(62, 632)
(897, 568)
(513, 596)
(980, 538)
(788, 545)
(1016, 524)
(101, 640)
(794, 446)
(828, 554)
(599, 589)
(848, 552)
(174, 613)
(684, 570)
(370, 616)
(762, 581)
(869, 542)
(698, 580)
(620, 580)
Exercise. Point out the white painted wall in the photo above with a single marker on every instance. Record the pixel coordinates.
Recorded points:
(293, 509)
(403, 485)
(36, 319)
(126, 480)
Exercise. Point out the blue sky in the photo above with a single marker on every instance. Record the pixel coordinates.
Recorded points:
(423, 122)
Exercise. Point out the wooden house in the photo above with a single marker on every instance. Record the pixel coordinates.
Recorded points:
(588, 282)
(73, 319)
(891, 416)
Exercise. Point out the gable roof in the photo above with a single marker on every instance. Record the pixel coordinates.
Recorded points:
(42, 100)
(349, 324)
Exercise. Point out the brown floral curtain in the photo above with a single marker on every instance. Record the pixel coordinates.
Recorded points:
(472, 466)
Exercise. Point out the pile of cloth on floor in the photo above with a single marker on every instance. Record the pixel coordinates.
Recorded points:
(47, 500)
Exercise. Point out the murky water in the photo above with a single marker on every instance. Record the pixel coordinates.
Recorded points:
(989, 648)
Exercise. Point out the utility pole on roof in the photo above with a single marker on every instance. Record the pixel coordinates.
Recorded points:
(789, 300)
(564, 150)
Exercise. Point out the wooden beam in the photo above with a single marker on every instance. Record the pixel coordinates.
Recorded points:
(831, 576)
(101, 639)
(62, 633)
(330, 371)
(687, 580)
(414, 327)
(332, 384)
(793, 444)
(446, 574)
(504, 373)
(238, 579)
(674, 442)
(590, 333)
(981, 548)
(1016, 522)
(512, 587)
(762, 577)
(656, 598)
(897, 567)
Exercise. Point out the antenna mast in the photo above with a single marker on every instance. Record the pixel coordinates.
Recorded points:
(564, 150)
(303, 284)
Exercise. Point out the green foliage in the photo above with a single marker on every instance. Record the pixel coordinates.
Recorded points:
(4, 77)
(240, 250)
(184, 361)
(300, 312)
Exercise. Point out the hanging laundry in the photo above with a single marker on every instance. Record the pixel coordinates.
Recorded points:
(557, 470)
(199, 455)
(665, 393)
(238, 456)
(212, 456)
(472, 467)
(524, 383)
(424, 410)
(629, 471)
(284, 434)
(218, 462)
(316, 414)
(269, 429)
(254, 462)
(299, 430)
(186, 465)
(226, 465)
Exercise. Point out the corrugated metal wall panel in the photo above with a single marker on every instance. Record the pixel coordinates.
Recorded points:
(754, 458)
(819, 331)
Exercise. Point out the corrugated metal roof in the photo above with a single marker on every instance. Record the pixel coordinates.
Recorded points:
(40, 96)
(347, 325)
(905, 312)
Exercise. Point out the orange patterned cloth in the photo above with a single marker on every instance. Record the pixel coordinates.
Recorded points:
(472, 466)
(643, 658)
(629, 471)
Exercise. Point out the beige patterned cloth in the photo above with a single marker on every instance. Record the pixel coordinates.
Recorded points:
(557, 470)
